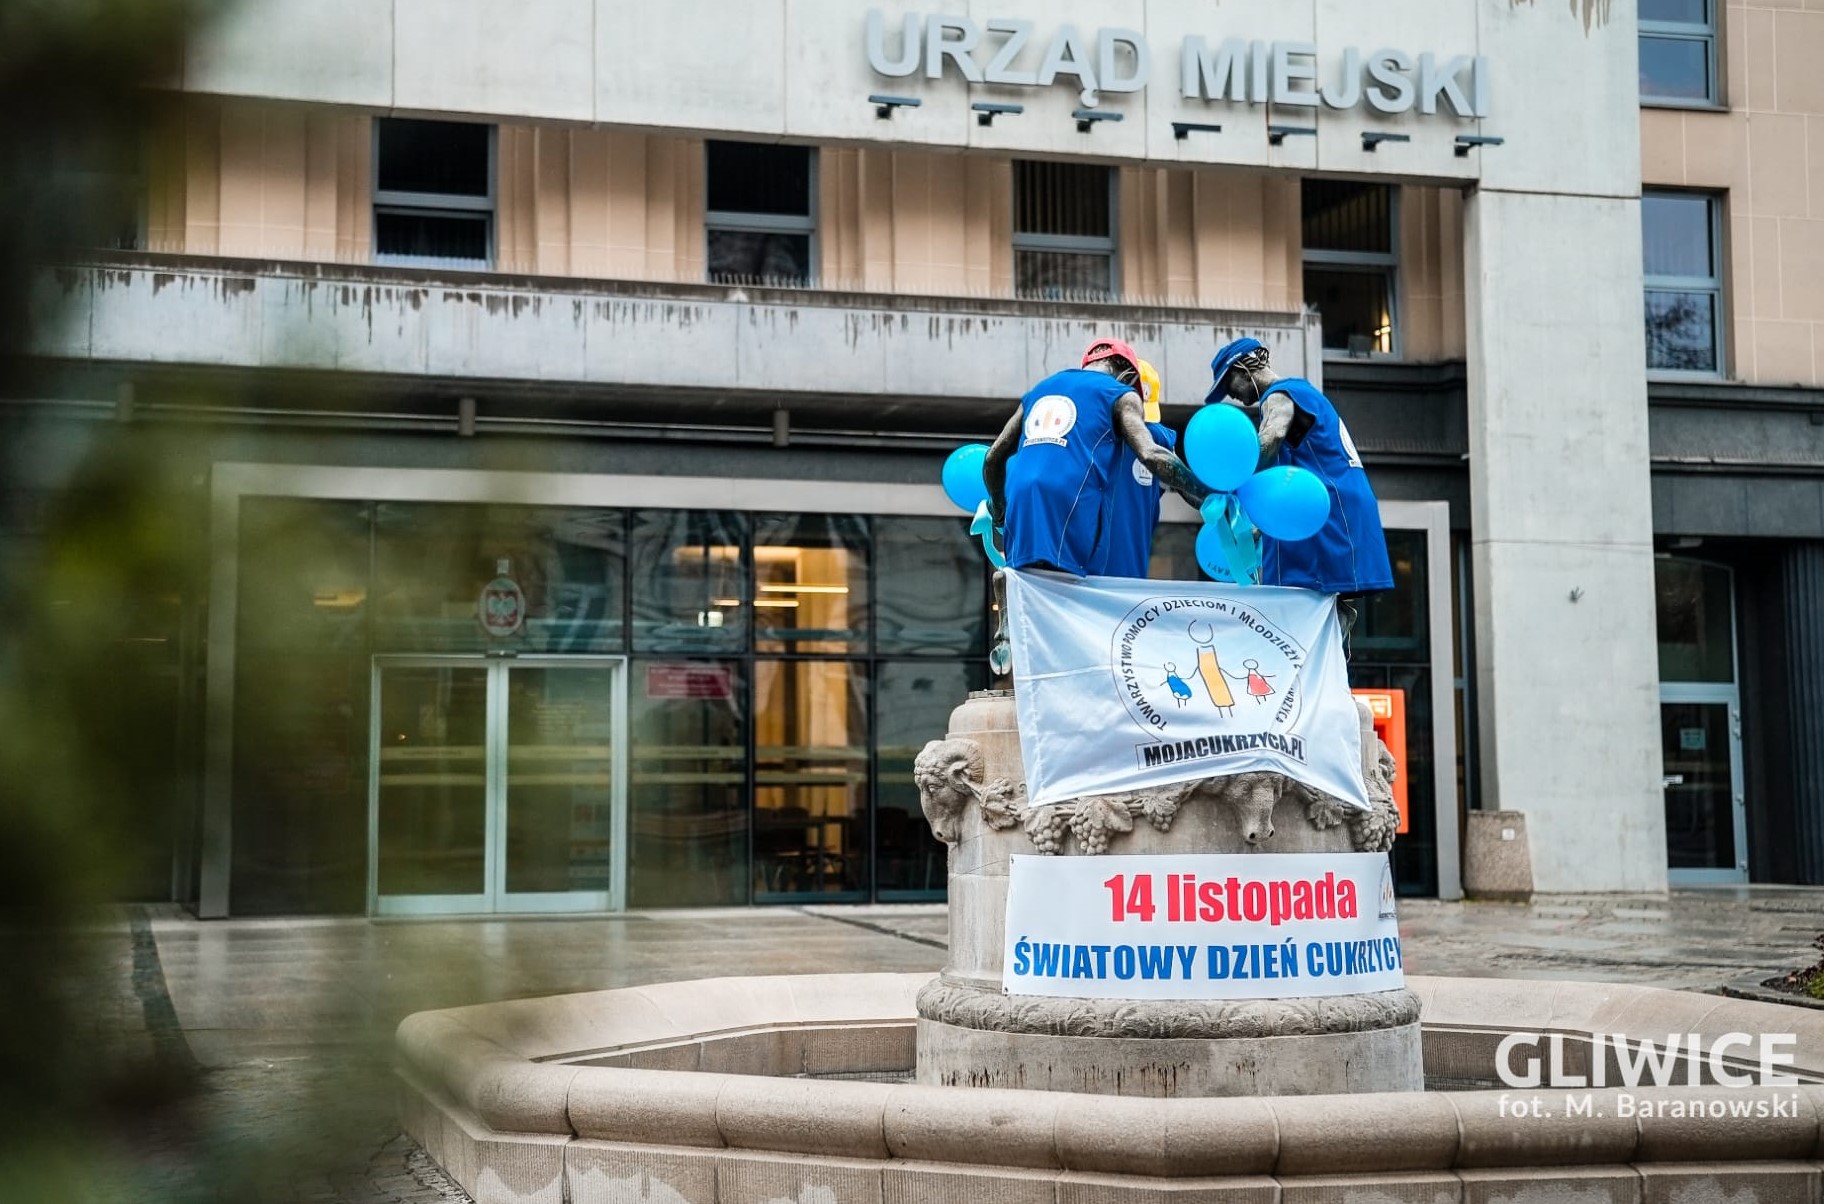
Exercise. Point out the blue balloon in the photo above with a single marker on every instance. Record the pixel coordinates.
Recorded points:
(1210, 555)
(1285, 502)
(1221, 447)
(963, 483)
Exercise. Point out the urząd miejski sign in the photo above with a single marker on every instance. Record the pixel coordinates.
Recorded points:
(1201, 926)
(1013, 53)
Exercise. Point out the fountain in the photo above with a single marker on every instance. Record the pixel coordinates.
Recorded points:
(971, 1032)
(1018, 1074)
(827, 1089)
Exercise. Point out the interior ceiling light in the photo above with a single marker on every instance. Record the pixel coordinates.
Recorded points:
(790, 588)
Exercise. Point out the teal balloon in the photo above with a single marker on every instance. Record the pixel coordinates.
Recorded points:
(1221, 447)
(1210, 556)
(1286, 503)
(963, 483)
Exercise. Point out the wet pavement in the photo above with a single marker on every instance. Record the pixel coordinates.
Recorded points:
(286, 1024)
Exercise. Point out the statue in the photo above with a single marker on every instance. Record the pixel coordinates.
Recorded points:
(1072, 476)
(1051, 471)
(1132, 512)
(1299, 426)
(1073, 485)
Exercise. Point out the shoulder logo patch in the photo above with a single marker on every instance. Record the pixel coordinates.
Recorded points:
(1051, 418)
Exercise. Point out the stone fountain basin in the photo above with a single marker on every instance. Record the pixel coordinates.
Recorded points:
(756, 1089)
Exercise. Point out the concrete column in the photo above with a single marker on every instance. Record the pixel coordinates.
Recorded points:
(1561, 519)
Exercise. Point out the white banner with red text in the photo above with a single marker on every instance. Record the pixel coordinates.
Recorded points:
(1123, 684)
(1202, 926)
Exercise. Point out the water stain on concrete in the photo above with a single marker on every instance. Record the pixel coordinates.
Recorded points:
(1595, 14)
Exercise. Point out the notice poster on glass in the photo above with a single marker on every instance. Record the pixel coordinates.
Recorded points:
(1202, 926)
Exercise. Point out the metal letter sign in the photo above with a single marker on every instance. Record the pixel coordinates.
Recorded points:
(1010, 53)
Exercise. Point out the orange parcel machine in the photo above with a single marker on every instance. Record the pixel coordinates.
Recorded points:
(1389, 707)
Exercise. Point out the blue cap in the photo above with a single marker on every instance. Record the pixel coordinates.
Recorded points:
(1225, 359)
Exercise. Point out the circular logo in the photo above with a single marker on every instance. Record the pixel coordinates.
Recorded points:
(1143, 476)
(503, 607)
(1050, 419)
(1188, 665)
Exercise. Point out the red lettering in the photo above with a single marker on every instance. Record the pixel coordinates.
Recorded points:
(1171, 898)
(1326, 897)
(1210, 895)
(1301, 901)
(1140, 897)
(1279, 897)
(1345, 899)
(1254, 902)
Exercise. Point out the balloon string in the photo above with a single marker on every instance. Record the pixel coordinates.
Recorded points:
(1231, 552)
(983, 526)
(1242, 529)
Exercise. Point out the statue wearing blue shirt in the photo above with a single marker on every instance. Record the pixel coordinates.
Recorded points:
(1299, 426)
(1055, 473)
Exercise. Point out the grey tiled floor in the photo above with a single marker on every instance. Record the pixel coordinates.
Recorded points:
(290, 1020)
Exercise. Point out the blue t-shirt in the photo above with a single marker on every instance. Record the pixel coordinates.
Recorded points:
(1133, 512)
(1058, 479)
(1348, 555)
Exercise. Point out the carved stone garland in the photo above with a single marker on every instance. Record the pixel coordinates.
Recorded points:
(949, 772)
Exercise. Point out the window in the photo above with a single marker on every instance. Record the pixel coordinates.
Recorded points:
(762, 213)
(1063, 231)
(100, 180)
(1350, 240)
(1678, 52)
(1680, 241)
(433, 193)
(1695, 621)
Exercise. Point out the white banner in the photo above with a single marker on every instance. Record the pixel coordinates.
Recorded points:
(1202, 926)
(1123, 683)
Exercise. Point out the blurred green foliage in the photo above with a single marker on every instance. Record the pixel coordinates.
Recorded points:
(87, 1078)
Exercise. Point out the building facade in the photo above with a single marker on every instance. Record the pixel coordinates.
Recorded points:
(552, 398)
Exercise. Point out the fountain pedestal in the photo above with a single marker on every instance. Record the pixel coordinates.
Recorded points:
(971, 1033)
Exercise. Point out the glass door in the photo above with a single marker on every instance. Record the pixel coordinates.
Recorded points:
(497, 785)
(1706, 813)
(563, 794)
(430, 782)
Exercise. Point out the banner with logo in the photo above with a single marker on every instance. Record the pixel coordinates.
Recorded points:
(1123, 683)
(1202, 926)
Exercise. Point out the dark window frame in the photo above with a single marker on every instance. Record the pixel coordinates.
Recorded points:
(1383, 265)
(462, 206)
(1070, 244)
(736, 221)
(1704, 32)
(1711, 285)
